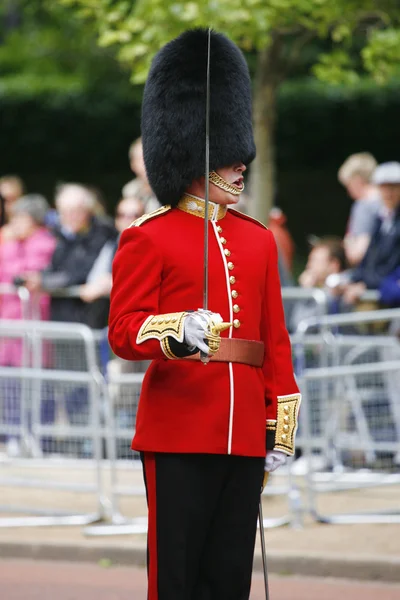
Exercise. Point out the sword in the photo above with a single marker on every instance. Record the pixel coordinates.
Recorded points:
(217, 328)
(262, 538)
(203, 356)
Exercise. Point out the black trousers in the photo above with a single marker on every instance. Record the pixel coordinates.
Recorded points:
(202, 525)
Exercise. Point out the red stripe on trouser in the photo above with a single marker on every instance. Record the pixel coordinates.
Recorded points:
(150, 467)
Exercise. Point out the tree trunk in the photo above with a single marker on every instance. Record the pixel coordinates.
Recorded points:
(263, 168)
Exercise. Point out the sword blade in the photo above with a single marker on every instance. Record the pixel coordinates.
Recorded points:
(207, 183)
(263, 549)
(203, 356)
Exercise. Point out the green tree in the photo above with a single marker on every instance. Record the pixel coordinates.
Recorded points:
(46, 48)
(361, 38)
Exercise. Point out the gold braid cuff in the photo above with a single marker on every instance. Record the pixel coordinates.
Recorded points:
(224, 185)
(166, 348)
(286, 423)
(160, 327)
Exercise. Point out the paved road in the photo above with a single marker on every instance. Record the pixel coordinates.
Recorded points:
(28, 580)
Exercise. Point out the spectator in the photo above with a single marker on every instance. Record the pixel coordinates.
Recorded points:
(11, 188)
(355, 175)
(99, 281)
(325, 265)
(139, 187)
(128, 210)
(389, 295)
(81, 236)
(326, 258)
(29, 249)
(383, 253)
(389, 290)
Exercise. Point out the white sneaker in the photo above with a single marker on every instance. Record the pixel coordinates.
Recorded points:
(13, 449)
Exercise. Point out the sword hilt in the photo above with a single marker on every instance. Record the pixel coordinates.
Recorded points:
(214, 340)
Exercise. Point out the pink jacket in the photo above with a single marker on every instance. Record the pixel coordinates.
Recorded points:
(16, 259)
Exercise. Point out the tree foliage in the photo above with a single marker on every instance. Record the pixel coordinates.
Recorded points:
(140, 28)
(359, 37)
(45, 47)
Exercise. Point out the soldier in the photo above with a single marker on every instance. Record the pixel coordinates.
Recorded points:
(205, 433)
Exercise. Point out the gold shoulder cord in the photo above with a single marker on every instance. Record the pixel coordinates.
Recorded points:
(148, 216)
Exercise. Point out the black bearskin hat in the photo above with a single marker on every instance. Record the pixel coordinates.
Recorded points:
(174, 112)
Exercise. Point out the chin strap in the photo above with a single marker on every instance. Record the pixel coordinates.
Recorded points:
(224, 185)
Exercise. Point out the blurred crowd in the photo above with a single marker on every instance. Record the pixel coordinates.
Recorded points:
(73, 244)
(69, 246)
(63, 255)
(367, 257)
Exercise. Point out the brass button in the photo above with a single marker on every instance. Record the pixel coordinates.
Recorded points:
(286, 409)
(234, 294)
(219, 229)
(286, 420)
(286, 428)
(232, 279)
(160, 321)
(227, 252)
(223, 240)
(231, 266)
(236, 323)
(284, 437)
(236, 308)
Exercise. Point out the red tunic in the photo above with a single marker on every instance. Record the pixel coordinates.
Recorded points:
(186, 406)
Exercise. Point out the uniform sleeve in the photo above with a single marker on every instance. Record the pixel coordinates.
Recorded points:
(136, 329)
(282, 397)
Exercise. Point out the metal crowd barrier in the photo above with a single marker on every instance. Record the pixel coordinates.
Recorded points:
(350, 418)
(62, 366)
(50, 405)
(123, 389)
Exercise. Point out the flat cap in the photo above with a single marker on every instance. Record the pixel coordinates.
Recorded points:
(388, 172)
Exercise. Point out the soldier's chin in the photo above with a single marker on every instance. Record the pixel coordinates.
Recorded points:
(233, 199)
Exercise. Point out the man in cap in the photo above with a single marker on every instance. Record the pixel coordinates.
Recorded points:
(383, 253)
(205, 433)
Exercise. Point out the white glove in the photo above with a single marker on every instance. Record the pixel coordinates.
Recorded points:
(196, 327)
(274, 459)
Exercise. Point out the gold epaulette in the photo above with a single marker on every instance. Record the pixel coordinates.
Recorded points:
(148, 216)
(237, 213)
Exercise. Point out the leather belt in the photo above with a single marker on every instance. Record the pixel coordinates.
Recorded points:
(247, 352)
